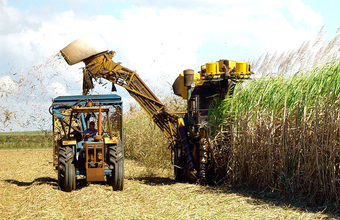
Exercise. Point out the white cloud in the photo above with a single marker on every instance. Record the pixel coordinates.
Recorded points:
(194, 4)
(304, 14)
(13, 20)
(167, 40)
(158, 39)
(7, 86)
(58, 89)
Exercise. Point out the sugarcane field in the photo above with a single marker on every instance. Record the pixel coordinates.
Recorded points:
(170, 110)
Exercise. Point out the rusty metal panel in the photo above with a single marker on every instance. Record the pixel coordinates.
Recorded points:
(94, 163)
(95, 174)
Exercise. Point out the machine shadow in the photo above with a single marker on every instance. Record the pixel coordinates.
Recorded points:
(37, 181)
(154, 181)
(277, 199)
(81, 183)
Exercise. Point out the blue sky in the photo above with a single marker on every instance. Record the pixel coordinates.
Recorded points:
(329, 11)
(158, 39)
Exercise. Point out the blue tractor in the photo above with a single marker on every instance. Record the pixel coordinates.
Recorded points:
(76, 152)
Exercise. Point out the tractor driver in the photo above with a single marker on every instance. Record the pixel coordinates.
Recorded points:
(91, 131)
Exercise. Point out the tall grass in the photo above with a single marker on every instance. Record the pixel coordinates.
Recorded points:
(313, 53)
(283, 133)
(144, 141)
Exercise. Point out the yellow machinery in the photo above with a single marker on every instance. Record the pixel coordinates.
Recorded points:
(188, 136)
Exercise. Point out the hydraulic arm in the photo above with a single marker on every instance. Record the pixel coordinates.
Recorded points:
(102, 66)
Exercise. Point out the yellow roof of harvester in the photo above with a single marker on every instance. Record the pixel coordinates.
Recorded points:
(213, 70)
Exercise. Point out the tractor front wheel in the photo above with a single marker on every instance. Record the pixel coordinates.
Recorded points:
(116, 179)
(66, 169)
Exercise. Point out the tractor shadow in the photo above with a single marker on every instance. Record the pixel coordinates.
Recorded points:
(38, 181)
(81, 183)
(154, 181)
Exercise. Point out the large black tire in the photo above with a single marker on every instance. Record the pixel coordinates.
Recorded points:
(116, 163)
(61, 167)
(179, 163)
(66, 169)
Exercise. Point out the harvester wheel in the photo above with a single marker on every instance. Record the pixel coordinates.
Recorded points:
(116, 180)
(179, 164)
(66, 169)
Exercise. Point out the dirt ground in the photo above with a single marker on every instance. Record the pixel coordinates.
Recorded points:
(28, 190)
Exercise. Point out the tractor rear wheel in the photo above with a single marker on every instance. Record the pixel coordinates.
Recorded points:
(66, 169)
(116, 162)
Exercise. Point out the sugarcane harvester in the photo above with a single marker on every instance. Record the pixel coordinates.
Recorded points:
(189, 136)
